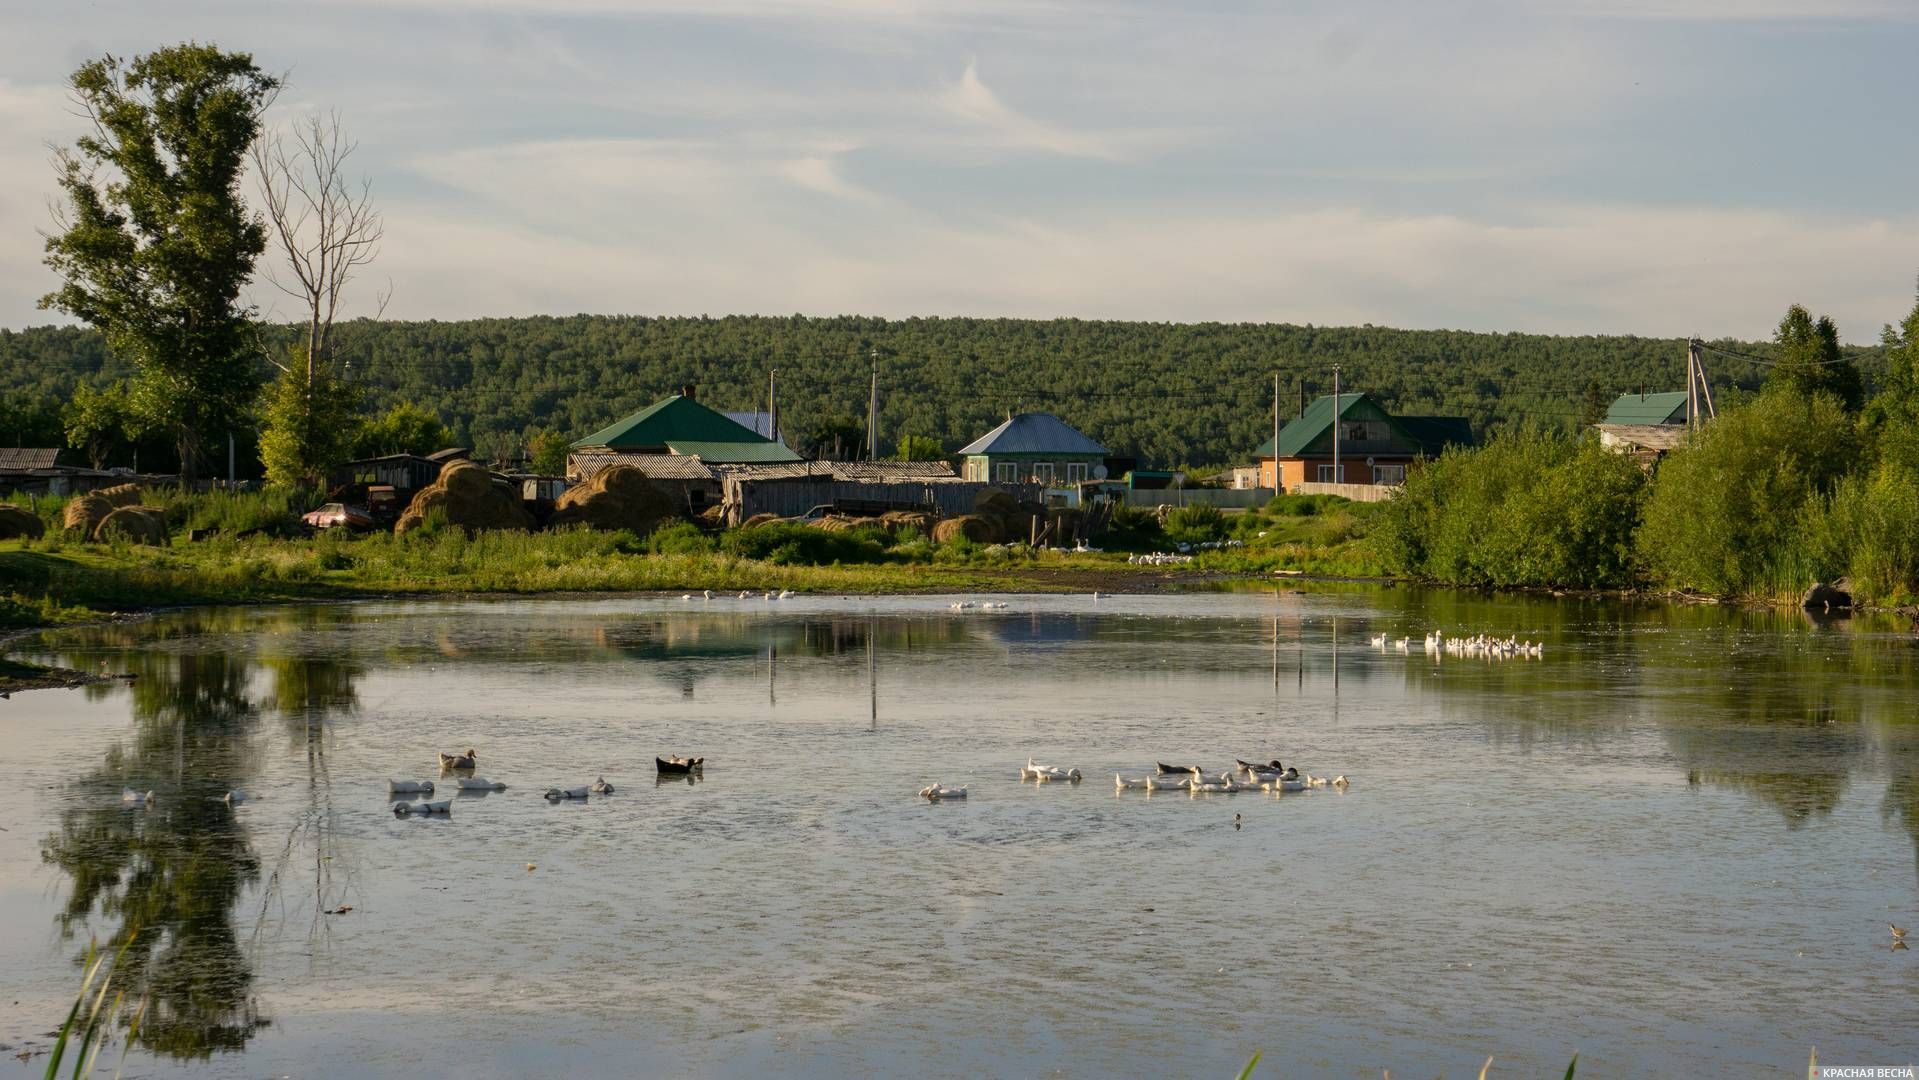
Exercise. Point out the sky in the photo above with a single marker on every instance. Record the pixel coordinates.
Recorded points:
(1662, 167)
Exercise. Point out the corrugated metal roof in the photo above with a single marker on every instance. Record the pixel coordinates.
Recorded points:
(29, 457)
(729, 452)
(757, 422)
(1432, 433)
(1034, 433)
(674, 419)
(653, 466)
(891, 471)
(1667, 408)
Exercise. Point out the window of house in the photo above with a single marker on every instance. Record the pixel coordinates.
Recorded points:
(1325, 474)
(1006, 472)
(1076, 472)
(1042, 472)
(1389, 474)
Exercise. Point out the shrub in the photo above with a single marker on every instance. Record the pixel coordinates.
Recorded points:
(679, 538)
(1728, 514)
(787, 543)
(1527, 509)
(1195, 524)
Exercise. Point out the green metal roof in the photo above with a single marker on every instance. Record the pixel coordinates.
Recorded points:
(671, 420)
(1669, 408)
(1298, 434)
(734, 453)
(1431, 434)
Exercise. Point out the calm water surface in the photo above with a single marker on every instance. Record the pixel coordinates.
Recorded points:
(1672, 844)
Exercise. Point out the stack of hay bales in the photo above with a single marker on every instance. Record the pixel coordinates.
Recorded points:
(18, 521)
(120, 495)
(997, 518)
(136, 524)
(85, 512)
(842, 522)
(898, 521)
(759, 519)
(620, 497)
(465, 491)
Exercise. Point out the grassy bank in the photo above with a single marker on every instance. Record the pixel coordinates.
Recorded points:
(257, 553)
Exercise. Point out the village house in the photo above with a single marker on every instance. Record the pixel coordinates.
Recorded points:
(678, 426)
(1034, 448)
(1645, 426)
(1375, 446)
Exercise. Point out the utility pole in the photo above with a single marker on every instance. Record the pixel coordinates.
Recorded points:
(230, 454)
(1338, 476)
(1692, 384)
(873, 412)
(772, 405)
(1275, 484)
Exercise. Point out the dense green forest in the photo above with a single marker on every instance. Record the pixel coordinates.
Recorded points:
(1168, 393)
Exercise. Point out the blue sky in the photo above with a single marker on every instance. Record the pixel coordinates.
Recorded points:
(1574, 166)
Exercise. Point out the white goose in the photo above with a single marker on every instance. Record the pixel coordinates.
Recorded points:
(1122, 783)
(409, 787)
(934, 792)
(480, 783)
(130, 796)
(556, 794)
(601, 787)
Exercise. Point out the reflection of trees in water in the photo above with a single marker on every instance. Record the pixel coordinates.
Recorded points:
(174, 870)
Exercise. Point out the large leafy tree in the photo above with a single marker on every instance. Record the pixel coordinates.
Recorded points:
(101, 420)
(155, 242)
(312, 421)
(1810, 361)
(405, 428)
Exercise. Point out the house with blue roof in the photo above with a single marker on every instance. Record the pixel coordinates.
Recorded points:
(1034, 448)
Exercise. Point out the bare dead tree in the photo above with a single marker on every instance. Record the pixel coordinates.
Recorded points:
(326, 226)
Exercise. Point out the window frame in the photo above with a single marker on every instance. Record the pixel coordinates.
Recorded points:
(1006, 472)
(1077, 472)
(1326, 475)
(1397, 472)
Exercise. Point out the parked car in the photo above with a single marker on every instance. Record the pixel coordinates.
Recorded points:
(338, 515)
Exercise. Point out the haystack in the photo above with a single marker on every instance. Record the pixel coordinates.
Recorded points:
(136, 524)
(85, 512)
(1010, 520)
(842, 522)
(467, 493)
(617, 498)
(120, 495)
(759, 519)
(898, 521)
(18, 521)
(972, 526)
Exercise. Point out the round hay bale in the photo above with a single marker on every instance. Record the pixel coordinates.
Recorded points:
(630, 502)
(84, 512)
(465, 479)
(759, 519)
(901, 520)
(429, 498)
(625, 481)
(713, 517)
(136, 524)
(972, 526)
(120, 494)
(18, 521)
(841, 523)
(995, 503)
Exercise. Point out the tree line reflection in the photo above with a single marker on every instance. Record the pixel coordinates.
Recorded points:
(1773, 706)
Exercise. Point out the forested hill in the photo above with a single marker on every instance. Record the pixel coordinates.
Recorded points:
(1170, 393)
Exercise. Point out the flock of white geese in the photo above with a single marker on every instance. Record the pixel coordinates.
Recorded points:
(1272, 777)
(1474, 647)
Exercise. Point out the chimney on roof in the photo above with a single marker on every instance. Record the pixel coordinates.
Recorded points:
(686, 391)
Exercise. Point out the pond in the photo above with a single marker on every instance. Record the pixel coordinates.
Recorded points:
(1672, 842)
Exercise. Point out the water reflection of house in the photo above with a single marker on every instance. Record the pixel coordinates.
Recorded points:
(1375, 447)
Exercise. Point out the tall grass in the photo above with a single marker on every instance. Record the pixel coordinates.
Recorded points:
(92, 1024)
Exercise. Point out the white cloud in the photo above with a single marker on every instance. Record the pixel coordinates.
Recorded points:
(973, 102)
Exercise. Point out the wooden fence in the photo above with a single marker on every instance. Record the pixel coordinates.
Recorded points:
(795, 496)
